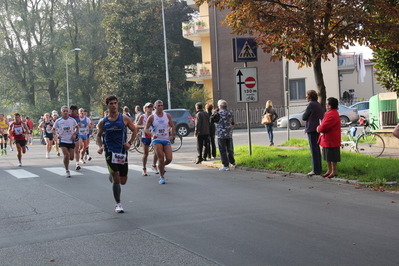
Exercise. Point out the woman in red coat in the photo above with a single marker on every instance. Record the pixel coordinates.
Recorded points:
(330, 137)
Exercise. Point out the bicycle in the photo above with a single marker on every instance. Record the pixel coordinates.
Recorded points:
(368, 143)
(139, 146)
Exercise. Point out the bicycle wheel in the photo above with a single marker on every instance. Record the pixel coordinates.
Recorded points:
(177, 142)
(138, 144)
(347, 143)
(370, 144)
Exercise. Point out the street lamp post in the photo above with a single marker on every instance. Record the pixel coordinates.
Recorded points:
(166, 57)
(66, 69)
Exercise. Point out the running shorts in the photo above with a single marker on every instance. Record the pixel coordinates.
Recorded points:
(113, 167)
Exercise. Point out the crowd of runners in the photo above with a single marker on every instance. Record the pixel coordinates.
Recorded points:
(69, 134)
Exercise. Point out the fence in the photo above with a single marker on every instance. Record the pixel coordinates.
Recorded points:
(255, 114)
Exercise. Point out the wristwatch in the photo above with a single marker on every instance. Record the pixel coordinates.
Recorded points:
(130, 142)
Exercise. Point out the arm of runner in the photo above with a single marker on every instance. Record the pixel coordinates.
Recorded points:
(171, 126)
(99, 136)
(148, 125)
(132, 127)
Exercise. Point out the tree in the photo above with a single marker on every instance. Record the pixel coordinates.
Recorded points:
(387, 64)
(134, 69)
(305, 31)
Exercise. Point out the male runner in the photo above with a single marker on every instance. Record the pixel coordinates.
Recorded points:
(3, 134)
(146, 139)
(66, 130)
(18, 129)
(114, 127)
(163, 131)
(84, 129)
(73, 112)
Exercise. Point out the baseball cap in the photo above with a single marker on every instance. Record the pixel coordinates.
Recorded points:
(148, 104)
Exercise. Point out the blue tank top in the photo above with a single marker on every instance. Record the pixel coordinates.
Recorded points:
(115, 135)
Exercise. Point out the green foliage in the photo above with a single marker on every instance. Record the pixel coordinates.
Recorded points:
(193, 95)
(387, 64)
(352, 166)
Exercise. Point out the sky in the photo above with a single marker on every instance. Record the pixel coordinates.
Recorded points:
(367, 52)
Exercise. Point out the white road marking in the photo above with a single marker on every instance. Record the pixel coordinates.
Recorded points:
(98, 169)
(21, 173)
(61, 171)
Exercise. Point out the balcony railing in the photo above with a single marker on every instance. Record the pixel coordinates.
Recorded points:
(347, 61)
(198, 71)
(198, 27)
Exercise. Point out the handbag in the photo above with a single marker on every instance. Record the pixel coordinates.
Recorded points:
(266, 119)
(396, 131)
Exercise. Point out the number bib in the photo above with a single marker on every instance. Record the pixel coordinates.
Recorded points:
(119, 158)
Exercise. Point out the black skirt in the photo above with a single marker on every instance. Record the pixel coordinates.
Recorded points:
(332, 154)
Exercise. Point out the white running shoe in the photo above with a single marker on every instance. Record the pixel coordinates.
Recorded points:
(82, 161)
(77, 167)
(224, 168)
(47, 155)
(89, 158)
(67, 174)
(118, 208)
(20, 164)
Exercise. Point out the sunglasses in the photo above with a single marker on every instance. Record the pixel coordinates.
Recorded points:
(150, 106)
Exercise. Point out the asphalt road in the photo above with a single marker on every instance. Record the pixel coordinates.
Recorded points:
(202, 216)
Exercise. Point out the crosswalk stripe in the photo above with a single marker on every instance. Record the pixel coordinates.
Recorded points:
(61, 171)
(98, 169)
(21, 173)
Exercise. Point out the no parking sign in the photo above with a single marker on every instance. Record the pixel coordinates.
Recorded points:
(246, 80)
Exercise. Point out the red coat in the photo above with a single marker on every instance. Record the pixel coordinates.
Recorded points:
(331, 129)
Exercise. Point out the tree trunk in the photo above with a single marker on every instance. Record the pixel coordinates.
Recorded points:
(321, 87)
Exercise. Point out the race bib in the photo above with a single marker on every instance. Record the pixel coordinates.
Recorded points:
(119, 158)
(18, 130)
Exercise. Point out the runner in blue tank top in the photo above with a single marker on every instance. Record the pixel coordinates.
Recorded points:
(163, 131)
(115, 146)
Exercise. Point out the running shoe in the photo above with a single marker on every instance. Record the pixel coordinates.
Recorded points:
(162, 181)
(5, 151)
(77, 167)
(20, 164)
(58, 153)
(67, 174)
(119, 208)
(11, 149)
(27, 148)
(47, 155)
(144, 172)
(88, 157)
(155, 169)
(224, 168)
(82, 161)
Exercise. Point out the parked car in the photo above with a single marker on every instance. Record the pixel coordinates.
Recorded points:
(345, 113)
(362, 108)
(183, 120)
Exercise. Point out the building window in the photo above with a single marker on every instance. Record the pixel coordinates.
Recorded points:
(297, 89)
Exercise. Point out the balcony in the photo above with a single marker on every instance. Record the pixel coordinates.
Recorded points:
(195, 30)
(347, 63)
(198, 72)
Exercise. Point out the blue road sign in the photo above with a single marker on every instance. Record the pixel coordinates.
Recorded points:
(245, 50)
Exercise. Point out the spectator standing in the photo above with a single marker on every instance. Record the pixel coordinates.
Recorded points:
(211, 139)
(330, 137)
(138, 112)
(225, 123)
(269, 110)
(201, 132)
(126, 111)
(313, 115)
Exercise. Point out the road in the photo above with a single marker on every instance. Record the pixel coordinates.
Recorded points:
(202, 216)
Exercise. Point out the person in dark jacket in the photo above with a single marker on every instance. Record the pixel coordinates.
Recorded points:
(273, 117)
(313, 115)
(212, 130)
(201, 132)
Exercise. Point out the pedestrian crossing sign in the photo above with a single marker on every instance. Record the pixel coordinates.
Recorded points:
(245, 50)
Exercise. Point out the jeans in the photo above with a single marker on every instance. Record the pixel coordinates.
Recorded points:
(225, 152)
(269, 129)
(313, 137)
